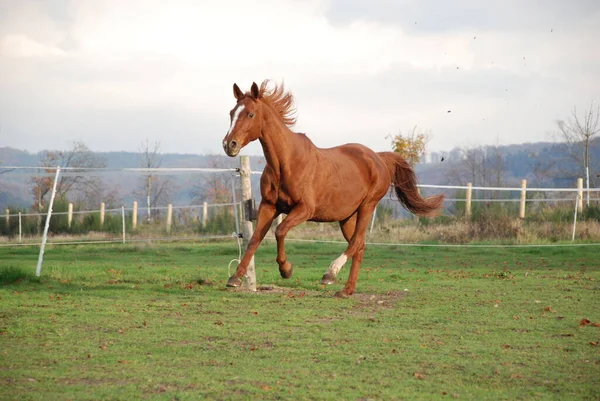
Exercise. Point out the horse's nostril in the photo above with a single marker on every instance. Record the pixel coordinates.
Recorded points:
(233, 144)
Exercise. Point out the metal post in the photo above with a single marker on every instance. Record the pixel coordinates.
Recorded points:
(577, 201)
(38, 270)
(373, 220)
(580, 193)
(123, 218)
(245, 172)
(587, 185)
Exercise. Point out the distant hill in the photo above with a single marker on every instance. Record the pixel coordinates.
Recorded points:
(542, 163)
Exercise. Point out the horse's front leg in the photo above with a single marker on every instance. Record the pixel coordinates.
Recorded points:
(266, 215)
(299, 214)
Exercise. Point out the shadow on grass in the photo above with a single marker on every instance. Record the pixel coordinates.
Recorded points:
(12, 275)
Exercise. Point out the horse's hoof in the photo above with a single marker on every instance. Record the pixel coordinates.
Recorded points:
(328, 279)
(342, 294)
(286, 270)
(234, 281)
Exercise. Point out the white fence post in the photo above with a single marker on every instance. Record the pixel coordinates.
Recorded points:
(245, 172)
(123, 218)
(38, 270)
(20, 229)
(523, 199)
(580, 194)
(102, 213)
(204, 214)
(70, 215)
(134, 216)
(468, 200)
(169, 217)
(7, 218)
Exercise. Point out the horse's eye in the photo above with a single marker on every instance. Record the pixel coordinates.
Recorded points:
(250, 115)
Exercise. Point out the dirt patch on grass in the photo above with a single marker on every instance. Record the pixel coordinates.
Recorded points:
(387, 299)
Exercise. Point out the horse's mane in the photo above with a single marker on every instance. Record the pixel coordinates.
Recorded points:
(280, 101)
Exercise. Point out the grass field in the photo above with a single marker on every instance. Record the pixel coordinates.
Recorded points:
(155, 322)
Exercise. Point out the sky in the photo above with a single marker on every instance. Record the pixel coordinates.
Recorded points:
(116, 73)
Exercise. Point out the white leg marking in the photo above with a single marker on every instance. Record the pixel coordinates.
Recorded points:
(336, 265)
(235, 118)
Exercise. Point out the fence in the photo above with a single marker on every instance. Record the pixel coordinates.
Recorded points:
(193, 222)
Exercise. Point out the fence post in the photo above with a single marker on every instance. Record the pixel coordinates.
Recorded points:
(134, 216)
(20, 229)
(102, 211)
(123, 220)
(70, 215)
(248, 229)
(580, 194)
(468, 200)
(523, 198)
(38, 270)
(204, 214)
(7, 218)
(169, 217)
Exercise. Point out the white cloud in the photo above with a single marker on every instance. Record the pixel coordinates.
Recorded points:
(114, 64)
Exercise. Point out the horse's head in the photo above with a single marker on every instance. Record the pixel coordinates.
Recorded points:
(245, 120)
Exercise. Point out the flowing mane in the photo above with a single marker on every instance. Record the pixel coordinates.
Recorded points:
(280, 101)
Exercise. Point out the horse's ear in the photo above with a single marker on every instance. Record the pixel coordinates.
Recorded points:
(237, 92)
(254, 90)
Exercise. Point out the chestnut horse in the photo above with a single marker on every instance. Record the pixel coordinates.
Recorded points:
(343, 184)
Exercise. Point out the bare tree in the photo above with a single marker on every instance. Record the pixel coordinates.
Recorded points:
(79, 159)
(157, 189)
(215, 188)
(578, 133)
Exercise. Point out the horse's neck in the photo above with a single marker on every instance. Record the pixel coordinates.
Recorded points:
(282, 147)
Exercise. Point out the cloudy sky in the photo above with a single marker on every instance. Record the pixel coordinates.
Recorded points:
(114, 73)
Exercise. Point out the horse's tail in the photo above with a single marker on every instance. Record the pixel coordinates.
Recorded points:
(405, 183)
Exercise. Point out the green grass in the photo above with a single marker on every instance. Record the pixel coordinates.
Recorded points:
(155, 322)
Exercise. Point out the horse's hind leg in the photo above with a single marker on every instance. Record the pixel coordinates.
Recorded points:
(356, 247)
(347, 227)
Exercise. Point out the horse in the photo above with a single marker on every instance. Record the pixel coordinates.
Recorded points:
(341, 184)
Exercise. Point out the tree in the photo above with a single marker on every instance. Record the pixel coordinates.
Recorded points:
(156, 189)
(215, 187)
(78, 159)
(578, 133)
(412, 145)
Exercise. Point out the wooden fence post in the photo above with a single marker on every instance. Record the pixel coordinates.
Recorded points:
(247, 227)
(169, 217)
(70, 215)
(468, 200)
(580, 194)
(102, 210)
(134, 215)
(523, 199)
(204, 214)
(7, 218)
